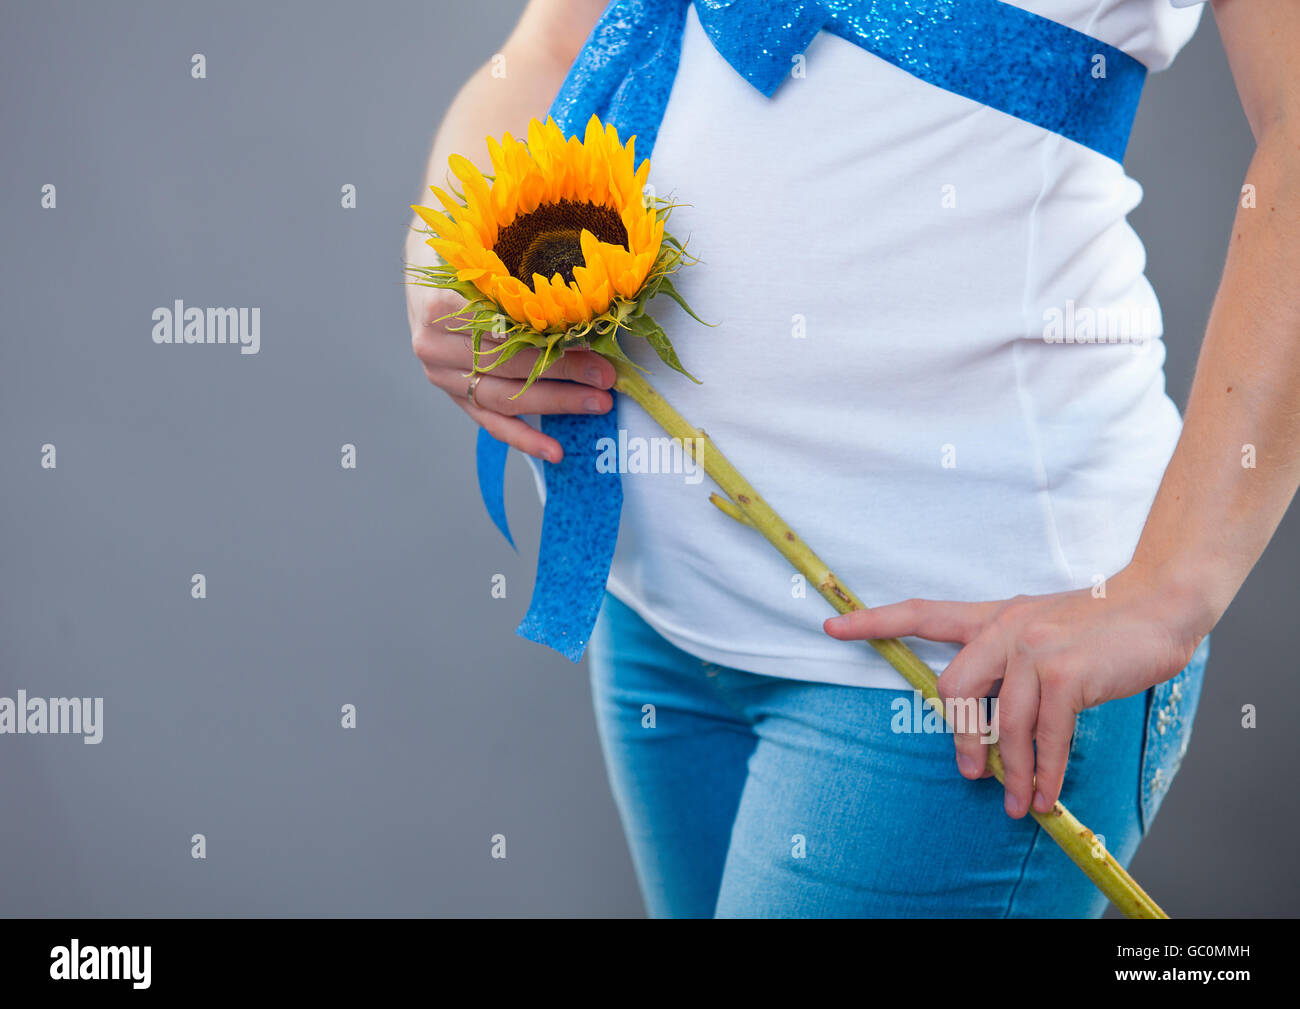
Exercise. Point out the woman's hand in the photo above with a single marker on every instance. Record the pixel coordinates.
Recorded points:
(577, 383)
(502, 96)
(1054, 656)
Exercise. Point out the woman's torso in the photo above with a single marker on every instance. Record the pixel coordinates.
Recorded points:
(904, 283)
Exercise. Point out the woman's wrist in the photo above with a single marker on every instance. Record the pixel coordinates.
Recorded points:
(1189, 592)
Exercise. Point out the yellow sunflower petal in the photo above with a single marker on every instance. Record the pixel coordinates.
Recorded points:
(452, 252)
(535, 315)
(440, 223)
(580, 310)
(508, 293)
(449, 202)
(627, 284)
(590, 246)
(545, 298)
(477, 195)
(498, 157)
(600, 298)
(537, 142)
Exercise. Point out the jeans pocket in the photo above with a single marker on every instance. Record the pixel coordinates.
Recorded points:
(1087, 727)
(1171, 708)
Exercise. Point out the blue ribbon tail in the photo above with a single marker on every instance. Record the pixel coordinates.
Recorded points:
(624, 74)
(584, 496)
(491, 464)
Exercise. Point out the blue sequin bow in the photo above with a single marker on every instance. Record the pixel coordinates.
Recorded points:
(990, 52)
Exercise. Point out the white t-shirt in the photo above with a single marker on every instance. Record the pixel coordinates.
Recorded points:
(890, 266)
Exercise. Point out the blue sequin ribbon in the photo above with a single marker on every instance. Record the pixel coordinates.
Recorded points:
(993, 53)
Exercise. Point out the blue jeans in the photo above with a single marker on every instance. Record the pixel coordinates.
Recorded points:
(745, 795)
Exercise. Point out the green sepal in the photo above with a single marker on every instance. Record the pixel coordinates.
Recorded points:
(666, 287)
(653, 333)
(542, 363)
(606, 345)
(500, 355)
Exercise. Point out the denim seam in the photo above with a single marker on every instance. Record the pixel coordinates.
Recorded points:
(1024, 867)
(1143, 825)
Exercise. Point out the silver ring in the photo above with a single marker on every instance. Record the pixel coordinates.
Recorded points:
(469, 393)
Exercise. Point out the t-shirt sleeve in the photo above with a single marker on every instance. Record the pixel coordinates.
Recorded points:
(1186, 3)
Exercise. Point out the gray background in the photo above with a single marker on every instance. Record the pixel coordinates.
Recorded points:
(371, 587)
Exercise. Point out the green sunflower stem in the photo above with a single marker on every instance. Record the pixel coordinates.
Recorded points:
(745, 505)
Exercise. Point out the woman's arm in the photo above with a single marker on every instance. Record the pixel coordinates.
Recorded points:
(1238, 460)
(1227, 486)
(502, 96)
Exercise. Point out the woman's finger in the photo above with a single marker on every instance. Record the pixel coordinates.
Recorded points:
(501, 395)
(582, 366)
(1056, 721)
(514, 432)
(976, 669)
(969, 678)
(921, 618)
(438, 348)
(1017, 717)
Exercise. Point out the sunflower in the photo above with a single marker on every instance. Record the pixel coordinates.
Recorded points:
(558, 246)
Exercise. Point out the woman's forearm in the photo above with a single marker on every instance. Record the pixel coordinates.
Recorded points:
(1237, 463)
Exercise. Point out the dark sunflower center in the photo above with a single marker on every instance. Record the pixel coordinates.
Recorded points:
(546, 241)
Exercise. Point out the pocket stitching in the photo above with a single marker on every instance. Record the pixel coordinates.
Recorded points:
(1168, 708)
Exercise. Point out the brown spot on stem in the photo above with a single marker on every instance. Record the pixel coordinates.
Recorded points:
(832, 586)
(742, 499)
(789, 535)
